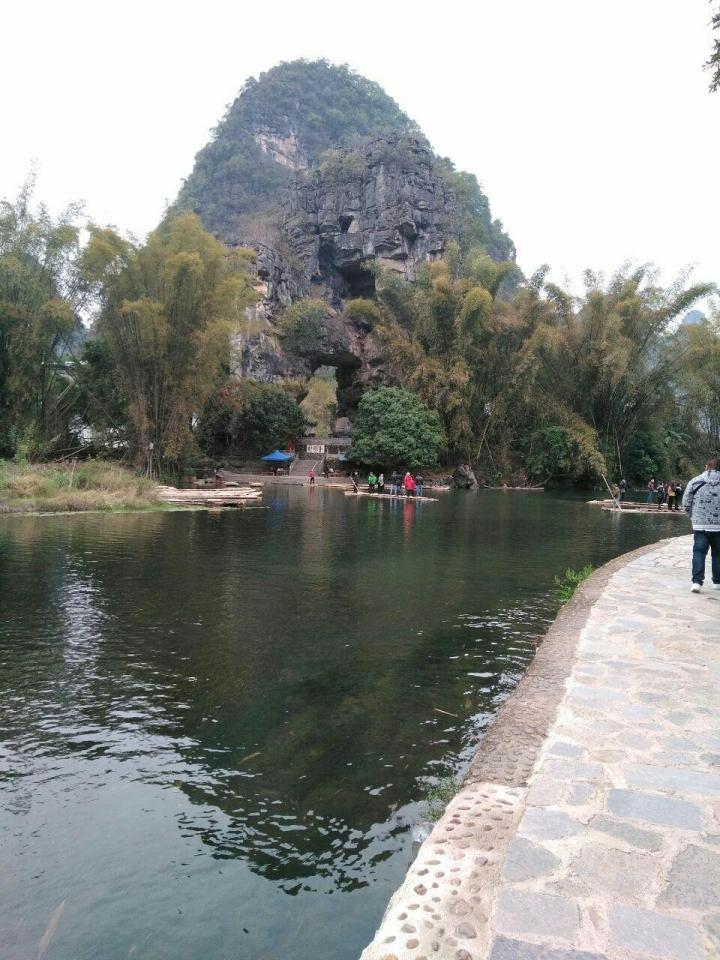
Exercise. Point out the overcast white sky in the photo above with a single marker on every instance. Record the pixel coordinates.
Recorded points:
(588, 122)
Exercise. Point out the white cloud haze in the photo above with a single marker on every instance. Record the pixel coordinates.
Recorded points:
(589, 124)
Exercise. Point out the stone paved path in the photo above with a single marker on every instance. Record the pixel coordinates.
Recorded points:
(610, 849)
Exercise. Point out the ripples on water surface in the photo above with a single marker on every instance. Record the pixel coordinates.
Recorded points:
(216, 728)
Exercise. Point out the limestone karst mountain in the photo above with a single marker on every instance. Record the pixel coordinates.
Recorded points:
(322, 172)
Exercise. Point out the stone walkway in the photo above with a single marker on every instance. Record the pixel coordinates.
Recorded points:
(589, 826)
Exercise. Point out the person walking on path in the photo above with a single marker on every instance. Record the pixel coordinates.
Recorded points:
(395, 481)
(672, 496)
(354, 484)
(420, 484)
(702, 501)
(381, 483)
(651, 490)
(311, 474)
(372, 482)
(409, 485)
(622, 490)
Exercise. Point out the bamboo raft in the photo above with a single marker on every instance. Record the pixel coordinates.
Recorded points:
(216, 497)
(387, 496)
(525, 489)
(626, 507)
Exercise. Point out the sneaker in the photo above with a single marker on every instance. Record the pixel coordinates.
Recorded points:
(716, 586)
(695, 588)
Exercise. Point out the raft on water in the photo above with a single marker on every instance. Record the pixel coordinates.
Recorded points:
(626, 507)
(539, 489)
(386, 496)
(217, 497)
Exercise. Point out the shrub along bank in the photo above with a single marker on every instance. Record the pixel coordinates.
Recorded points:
(63, 487)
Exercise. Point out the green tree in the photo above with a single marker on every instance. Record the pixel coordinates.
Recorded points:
(394, 429)
(697, 388)
(168, 308)
(564, 453)
(41, 298)
(271, 418)
(244, 418)
(319, 405)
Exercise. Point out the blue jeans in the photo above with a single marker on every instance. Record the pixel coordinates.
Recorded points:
(421, 489)
(706, 540)
(393, 489)
(651, 496)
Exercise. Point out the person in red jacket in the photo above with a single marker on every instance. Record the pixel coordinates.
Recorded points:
(409, 485)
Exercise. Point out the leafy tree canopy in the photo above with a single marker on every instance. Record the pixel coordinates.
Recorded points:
(41, 299)
(248, 418)
(394, 429)
(167, 310)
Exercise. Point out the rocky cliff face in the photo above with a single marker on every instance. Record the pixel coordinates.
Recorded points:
(383, 205)
(326, 177)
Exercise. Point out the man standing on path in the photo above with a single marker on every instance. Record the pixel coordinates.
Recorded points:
(702, 501)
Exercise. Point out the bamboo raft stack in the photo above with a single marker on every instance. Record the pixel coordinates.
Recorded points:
(235, 496)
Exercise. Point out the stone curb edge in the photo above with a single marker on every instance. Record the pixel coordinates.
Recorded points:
(510, 746)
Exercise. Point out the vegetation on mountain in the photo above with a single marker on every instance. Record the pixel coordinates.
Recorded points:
(306, 116)
(314, 105)
(320, 403)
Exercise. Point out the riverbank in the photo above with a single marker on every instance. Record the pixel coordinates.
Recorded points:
(71, 488)
(588, 827)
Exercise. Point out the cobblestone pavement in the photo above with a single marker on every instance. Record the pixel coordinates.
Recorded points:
(607, 847)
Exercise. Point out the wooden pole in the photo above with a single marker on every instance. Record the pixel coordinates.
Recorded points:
(614, 499)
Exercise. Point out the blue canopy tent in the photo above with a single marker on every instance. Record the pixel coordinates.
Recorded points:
(277, 456)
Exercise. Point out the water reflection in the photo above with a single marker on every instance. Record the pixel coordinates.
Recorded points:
(260, 696)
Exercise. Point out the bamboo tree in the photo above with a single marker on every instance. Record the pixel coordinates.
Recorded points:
(168, 309)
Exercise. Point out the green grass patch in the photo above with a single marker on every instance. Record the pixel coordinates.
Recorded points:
(567, 585)
(438, 797)
(64, 487)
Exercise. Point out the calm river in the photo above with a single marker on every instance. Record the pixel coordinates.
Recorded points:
(216, 731)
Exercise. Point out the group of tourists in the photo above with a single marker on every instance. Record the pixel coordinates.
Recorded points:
(409, 485)
(670, 493)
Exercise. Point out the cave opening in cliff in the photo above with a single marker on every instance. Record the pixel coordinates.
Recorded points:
(357, 281)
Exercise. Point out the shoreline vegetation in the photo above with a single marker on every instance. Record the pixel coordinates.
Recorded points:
(92, 485)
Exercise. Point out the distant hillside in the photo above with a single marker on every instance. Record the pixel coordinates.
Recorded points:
(289, 123)
(324, 175)
(279, 124)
